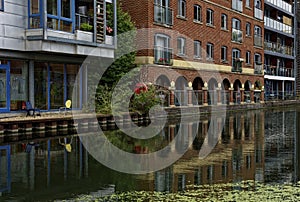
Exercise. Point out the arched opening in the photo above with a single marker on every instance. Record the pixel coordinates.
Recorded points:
(257, 91)
(225, 94)
(247, 87)
(198, 93)
(180, 92)
(162, 85)
(163, 81)
(237, 85)
(212, 96)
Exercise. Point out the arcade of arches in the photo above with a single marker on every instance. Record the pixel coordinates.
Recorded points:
(209, 88)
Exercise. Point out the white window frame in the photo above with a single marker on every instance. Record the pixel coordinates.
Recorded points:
(197, 49)
(224, 21)
(182, 8)
(257, 30)
(181, 46)
(209, 51)
(257, 58)
(248, 29)
(209, 17)
(224, 53)
(248, 57)
(247, 3)
(197, 13)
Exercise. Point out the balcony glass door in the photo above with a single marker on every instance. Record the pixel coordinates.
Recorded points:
(4, 88)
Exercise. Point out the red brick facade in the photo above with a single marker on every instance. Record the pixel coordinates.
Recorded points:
(142, 13)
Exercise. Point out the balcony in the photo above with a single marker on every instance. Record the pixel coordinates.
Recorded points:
(237, 65)
(258, 13)
(281, 4)
(163, 15)
(278, 48)
(258, 68)
(258, 40)
(237, 35)
(278, 25)
(278, 71)
(163, 55)
(237, 5)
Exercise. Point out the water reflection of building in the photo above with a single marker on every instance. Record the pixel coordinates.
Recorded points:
(237, 156)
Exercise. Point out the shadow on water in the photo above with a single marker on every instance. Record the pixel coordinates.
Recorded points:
(254, 145)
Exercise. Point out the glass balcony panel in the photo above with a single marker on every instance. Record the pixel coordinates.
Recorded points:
(258, 40)
(162, 55)
(163, 15)
(237, 5)
(237, 35)
(258, 13)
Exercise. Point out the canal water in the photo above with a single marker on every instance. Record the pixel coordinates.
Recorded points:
(259, 145)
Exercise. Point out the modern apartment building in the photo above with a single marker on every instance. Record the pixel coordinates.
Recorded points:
(42, 46)
(223, 40)
(280, 51)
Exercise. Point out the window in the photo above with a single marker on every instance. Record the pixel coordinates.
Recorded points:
(224, 21)
(237, 34)
(162, 50)
(1, 5)
(162, 13)
(258, 4)
(223, 53)
(181, 46)
(257, 36)
(59, 15)
(248, 29)
(248, 56)
(182, 8)
(209, 17)
(209, 51)
(34, 14)
(257, 58)
(248, 3)
(197, 49)
(197, 13)
(236, 60)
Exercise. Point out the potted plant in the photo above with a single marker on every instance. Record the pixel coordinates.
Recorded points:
(86, 27)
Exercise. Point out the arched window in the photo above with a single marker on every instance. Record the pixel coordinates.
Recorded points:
(182, 8)
(162, 50)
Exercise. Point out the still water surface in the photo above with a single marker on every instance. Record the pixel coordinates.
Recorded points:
(255, 145)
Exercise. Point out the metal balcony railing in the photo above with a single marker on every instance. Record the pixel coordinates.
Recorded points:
(237, 35)
(163, 15)
(282, 4)
(163, 55)
(237, 5)
(278, 25)
(258, 68)
(258, 13)
(80, 19)
(278, 71)
(278, 48)
(237, 65)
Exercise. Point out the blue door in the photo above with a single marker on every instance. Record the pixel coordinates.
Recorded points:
(4, 88)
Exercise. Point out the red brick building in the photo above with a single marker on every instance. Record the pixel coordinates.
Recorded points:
(214, 47)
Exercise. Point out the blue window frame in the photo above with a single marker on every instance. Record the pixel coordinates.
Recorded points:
(1, 5)
(60, 14)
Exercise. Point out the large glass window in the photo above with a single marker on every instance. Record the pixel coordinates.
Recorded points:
(41, 85)
(56, 83)
(52, 7)
(73, 85)
(162, 50)
(18, 84)
(223, 53)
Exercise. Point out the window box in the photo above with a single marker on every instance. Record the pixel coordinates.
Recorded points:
(84, 35)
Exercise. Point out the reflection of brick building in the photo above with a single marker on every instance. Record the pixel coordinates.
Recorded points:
(220, 39)
(239, 155)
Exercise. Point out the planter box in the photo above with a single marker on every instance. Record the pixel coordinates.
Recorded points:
(84, 36)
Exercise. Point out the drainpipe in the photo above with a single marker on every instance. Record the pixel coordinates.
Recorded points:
(115, 23)
(45, 19)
